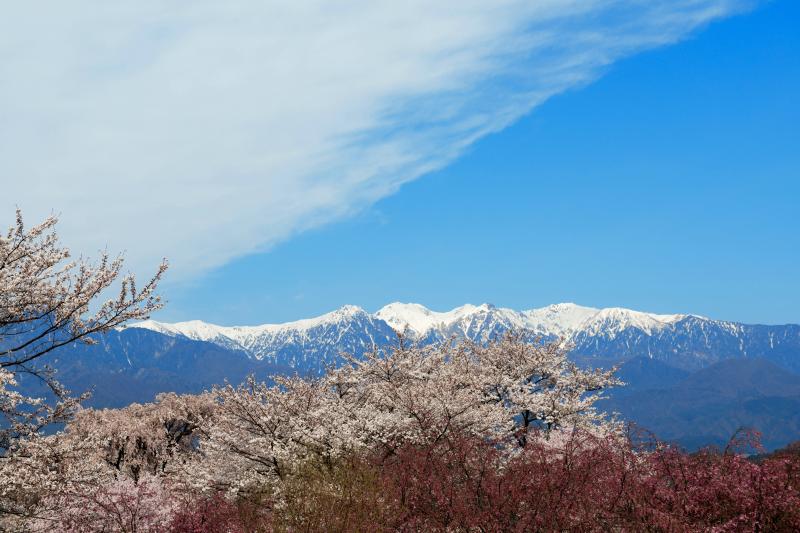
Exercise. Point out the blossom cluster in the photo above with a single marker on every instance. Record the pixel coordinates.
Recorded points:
(500, 391)
(48, 301)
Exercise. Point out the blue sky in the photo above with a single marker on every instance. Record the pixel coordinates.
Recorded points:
(672, 184)
(290, 158)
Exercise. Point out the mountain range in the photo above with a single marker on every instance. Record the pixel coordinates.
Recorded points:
(596, 336)
(688, 378)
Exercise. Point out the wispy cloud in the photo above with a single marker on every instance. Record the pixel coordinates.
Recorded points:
(208, 130)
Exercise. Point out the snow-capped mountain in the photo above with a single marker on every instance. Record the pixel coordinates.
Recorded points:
(483, 321)
(601, 335)
(303, 344)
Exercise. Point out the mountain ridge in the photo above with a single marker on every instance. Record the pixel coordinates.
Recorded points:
(596, 336)
(417, 321)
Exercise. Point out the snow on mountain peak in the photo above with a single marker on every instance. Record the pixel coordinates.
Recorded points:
(419, 322)
(343, 313)
(561, 319)
(349, 310)
(415, 317)
(243, 335)
(557, 319)
(615, 319)
(193, 329)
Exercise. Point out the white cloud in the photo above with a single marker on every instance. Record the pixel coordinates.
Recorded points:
(204, 131)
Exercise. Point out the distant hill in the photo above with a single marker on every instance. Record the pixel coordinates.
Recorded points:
(135, 365)
(708, 406)
(642, 373)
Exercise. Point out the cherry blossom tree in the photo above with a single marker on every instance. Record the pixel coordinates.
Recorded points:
(407, 394)
(48, 476)
(48, 301)
(123, 505)
(155, 439)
